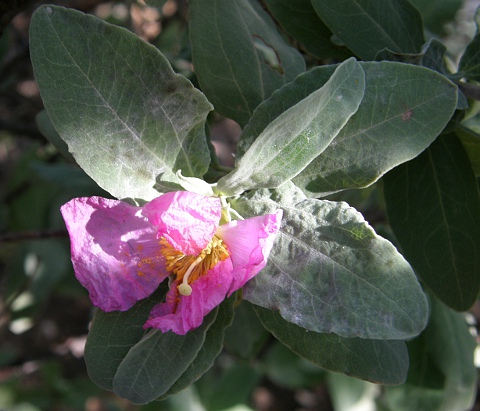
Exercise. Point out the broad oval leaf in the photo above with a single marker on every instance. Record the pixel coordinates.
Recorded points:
(403, 110)
(434, 209)
(329, 272)
(157, 361)
(368, 26)
(240, 58)
(383, 362)
(127, 118)
(298, 135)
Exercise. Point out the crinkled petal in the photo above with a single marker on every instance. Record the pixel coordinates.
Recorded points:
(115, 251)
(187, 220)
(249, 243)
(181, 314)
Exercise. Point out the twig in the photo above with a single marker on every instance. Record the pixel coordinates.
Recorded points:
(31, 235)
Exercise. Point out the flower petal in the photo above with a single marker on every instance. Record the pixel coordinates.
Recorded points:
(187, 220)
(115, 251)
(249, 243)
(181, 314)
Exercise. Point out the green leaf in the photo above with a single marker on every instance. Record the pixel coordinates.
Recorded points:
(434, 209)
(211, 348)
(247, 335)
(157, 361)
(470, 61)
(404, 108)
(298, 135)
(471, 143)
(434, 56)
(127, 118)
(448, 347)
(452, 346)
(383, 362)
(240, 58)
(270, 109)
(369, 26)
(112, 335)
(329, 272)
(300, 21)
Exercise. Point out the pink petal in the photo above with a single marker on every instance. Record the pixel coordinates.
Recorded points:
(249, 243)
(181, 314)
(115, 251)
(187, 220)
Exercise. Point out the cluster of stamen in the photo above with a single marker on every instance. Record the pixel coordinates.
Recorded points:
(188, 268)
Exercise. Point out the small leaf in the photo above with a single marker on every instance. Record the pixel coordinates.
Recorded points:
(471, 143)
(383, 362)
(470, 61)
(369, 26)
(127, 118)
(240, 58)
(298, 135)
(329, 272)
(434, 209)
(157, 361)
(434, 56)
(112, 335)
(211, 348)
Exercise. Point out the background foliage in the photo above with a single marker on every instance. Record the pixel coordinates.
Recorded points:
(431, 199)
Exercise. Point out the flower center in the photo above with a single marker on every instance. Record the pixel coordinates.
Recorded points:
(188, 268)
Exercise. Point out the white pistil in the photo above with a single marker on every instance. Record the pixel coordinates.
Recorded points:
(184, 288)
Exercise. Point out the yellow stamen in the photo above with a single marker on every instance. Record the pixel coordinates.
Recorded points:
(188, 268)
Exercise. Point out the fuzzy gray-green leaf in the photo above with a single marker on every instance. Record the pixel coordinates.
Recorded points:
(298, 135)
(330, 272)
(127, 118)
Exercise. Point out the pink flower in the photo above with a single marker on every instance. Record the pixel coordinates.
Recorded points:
(121, 253)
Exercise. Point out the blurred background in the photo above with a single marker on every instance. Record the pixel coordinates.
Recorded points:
(44, 312)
